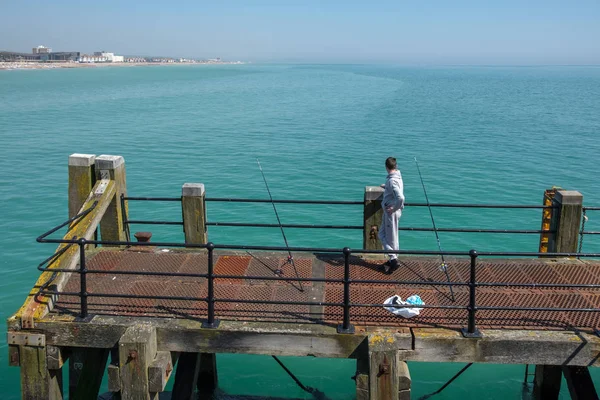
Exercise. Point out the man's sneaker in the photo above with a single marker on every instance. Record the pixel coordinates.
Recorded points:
(393, 265)
(385, 267)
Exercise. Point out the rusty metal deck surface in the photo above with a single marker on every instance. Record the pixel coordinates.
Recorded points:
(416, 269)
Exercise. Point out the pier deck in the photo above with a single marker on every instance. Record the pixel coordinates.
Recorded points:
(413, 269)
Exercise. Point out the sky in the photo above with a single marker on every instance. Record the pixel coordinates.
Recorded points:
(472, 32)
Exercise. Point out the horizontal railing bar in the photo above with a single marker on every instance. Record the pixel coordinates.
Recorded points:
(138, 222)
(538, 285)
(538, 309)
(428, 283)
(590, 232)
(152, 198)
(417, 229)
(332, 202)
(78, 217)
(321, 250)
(409, 306)
(306, 226)
(591, 208)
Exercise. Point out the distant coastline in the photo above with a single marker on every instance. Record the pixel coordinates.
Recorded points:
(20, 65)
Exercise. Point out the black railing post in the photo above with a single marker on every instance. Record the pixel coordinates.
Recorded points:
(211, 322)
(471, 331)
(83, 295)
(346, 326)
(124, 216)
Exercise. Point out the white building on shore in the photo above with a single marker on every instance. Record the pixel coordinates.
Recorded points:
(41, 50)
(100, 57)
(111, 57)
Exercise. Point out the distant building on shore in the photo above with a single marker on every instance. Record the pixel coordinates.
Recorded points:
(111, 57)
(38, 57)
(41, 50)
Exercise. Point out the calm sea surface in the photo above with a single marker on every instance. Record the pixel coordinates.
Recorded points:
(481, 135)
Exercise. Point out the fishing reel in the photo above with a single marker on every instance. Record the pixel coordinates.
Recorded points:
(443, 267)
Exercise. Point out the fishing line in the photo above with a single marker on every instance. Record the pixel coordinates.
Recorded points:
(290, 259)
(443, 266)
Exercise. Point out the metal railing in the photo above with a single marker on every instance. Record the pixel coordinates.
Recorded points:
(338, 202)
(346, 305)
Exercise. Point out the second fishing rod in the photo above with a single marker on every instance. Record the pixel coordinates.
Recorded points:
(443, 266)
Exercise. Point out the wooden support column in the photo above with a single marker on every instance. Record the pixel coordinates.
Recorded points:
(581, 386)
(81, 180)
(194, 213)
(362, 377)
(112, 226)
(208, 379)
(373, 215)
(546, 384)
(383, 375)
(566, 219)
(137, 350)
(37, 381)
(91, 374)
(75, 369)
(186, 377)
(404, 381)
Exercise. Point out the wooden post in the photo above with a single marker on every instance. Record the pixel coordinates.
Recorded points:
(137, 350)
(362, 377)
(581, 386)
(207, 375)
(186, 376)
(112, 227)
(37, 381)
(383, 375)
(546, 384)
(404, 381)
(75, 369)
(194, 213)
(566, 219)
(81, 180)
(373, 215)
(90, 376)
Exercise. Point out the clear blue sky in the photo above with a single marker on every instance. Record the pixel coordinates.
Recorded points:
(396, 31)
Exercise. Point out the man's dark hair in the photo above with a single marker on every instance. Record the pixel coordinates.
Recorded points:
(390, 163)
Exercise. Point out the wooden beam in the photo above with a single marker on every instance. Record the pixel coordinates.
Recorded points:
(546, 384)
(208, 378)
(36, 307)
(579, 381)
(383, 377)
(137, 350)
(194, 213)
(112, 227)
(186, 376)
(565, 221)
(159, 371)
(56, 357)
(90, 379)
(81, 180)
(372, 217)
(404, 380)
(37, 381)
(76, 359)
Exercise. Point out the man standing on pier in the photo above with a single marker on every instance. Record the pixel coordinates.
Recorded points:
(392, 204)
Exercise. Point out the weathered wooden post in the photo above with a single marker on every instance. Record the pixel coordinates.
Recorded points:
(565, 220)
(194, 213)
(372, 216)
(137, 350)
(112, 227)
(38, 381)
(194, 370)
(81, 180)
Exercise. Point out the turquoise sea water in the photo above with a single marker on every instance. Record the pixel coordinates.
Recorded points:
(481, 134)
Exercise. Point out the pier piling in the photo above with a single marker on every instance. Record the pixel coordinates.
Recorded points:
(112, 226)
(194, 213)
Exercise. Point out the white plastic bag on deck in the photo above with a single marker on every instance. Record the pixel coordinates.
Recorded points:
(404, 311)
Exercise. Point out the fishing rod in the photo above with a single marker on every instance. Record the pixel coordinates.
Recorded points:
(443, 266)
(290, 259)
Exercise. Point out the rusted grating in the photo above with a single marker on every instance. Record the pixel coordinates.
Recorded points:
(231, 265)
(412, 269)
